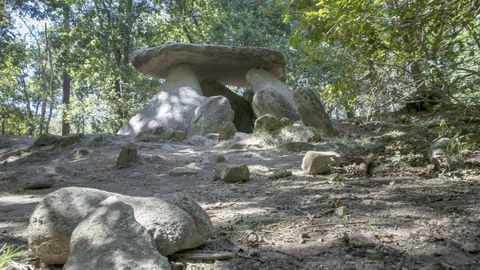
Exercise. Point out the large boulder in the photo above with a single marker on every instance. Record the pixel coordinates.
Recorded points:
(271, 96)
(111, 238)
(211, 116)
(172, 107)
(174, 222)
(317, 162)
(312, 111)
(243, 114)
(57, 141)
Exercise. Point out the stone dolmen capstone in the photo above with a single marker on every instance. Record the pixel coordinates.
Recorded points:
(173, 222)
(184, 66)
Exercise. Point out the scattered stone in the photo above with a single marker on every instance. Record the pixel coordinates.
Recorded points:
(437, 153)
(178, 266)
(198, 140)
(341, 211)
(232, 172)
(111, 238)
(174, 222)
(471, 247)
(79, 153)
(295, 146)
(57, 141)
(319, 162)
(269, 122)
(357, 240)
(227, 132)
(99, 140)
(37, 177)
(128, 156)
(211, 116)
(271, 95)
(280, 174)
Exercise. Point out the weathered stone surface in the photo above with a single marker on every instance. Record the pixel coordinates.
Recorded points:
(127, 157)
(243, 113)
(232, 172)
(269, 122)
(111, 238)
(211, 116)
(37, 177)
(175, 222)
(172, 107)
(57, 141)
(227, 65)
(312, 111)
(295, 146)
(271, 96)
(438, 152)
(316, 162)
(227, 132)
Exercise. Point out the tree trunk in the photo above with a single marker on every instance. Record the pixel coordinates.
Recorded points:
(66, 76)
(66, 102)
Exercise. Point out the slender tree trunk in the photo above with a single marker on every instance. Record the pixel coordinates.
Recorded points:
(66, 76)
(66, 102)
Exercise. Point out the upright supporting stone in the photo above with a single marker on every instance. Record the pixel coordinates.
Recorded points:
(312, 111)
(271, 95)
(172, 107)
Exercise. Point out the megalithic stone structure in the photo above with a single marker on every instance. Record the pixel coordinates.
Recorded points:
(183, 66)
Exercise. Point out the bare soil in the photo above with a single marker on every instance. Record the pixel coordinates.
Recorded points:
(404, 215)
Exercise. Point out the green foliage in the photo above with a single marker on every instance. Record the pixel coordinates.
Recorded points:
(8, 253)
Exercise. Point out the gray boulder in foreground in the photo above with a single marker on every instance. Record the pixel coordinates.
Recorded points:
(174, 222)
(111, 238)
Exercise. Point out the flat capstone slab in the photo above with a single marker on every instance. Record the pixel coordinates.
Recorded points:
(224, 64)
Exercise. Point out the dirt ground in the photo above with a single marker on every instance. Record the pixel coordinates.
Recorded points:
(404, 215)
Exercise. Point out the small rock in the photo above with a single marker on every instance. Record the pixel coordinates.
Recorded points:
(471, 247)
(212, 136)
(280, 174)
(182, 171)
(227, 132)
(79, 153)
(315, 162)
(341, 211)
(220, 159)
(128, 156)
(268, 122)
(358, 240)
(232, 172)
(39, 183)
(177, 266)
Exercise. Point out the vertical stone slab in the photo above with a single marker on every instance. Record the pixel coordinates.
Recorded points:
(312, 111)
(172, 107)
(271, 95)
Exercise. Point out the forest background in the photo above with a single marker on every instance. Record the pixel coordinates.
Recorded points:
(64, 64)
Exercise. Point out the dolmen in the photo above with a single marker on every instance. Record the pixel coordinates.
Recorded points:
(194, 99)
(86, 228)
